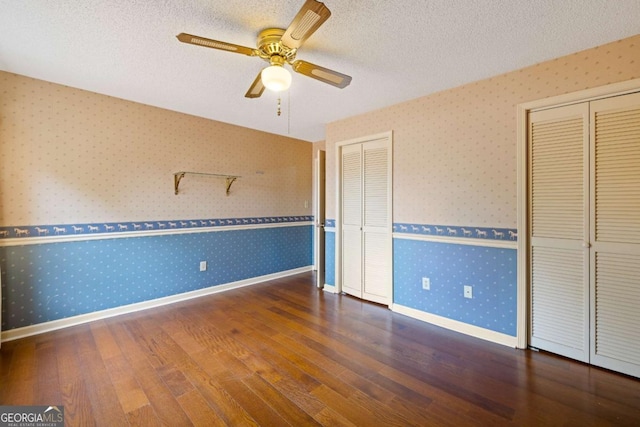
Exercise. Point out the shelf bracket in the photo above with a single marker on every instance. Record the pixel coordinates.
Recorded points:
(230, 180)
(176, 180)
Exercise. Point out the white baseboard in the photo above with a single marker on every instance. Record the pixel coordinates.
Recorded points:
(455, 325)
(330, 288)
(53, 325)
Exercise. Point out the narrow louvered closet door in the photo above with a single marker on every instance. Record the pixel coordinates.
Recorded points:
(352, 220)
(559, 261)
(377, 222)
(615, 198)
(366, 224)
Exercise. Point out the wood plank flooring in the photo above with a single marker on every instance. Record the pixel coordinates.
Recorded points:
(284, 353)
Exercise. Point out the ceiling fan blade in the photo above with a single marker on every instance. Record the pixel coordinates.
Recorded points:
(256, 88)
(325, 75)
(306, 22)
(215, 44)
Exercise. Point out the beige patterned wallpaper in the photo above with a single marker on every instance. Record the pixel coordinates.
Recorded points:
(455, 151)
(68, 155)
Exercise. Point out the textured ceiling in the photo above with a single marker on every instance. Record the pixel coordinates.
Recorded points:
(394, 50)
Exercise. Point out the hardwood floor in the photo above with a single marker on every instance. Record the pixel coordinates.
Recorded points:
(284, 353)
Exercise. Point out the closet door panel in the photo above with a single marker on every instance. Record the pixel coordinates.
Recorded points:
(352, 261)
(616, 142)
(615, 199)
(558, 194)
(616, 335)
(377, 227)
(352, 220)
(558, 315)
(376, 268)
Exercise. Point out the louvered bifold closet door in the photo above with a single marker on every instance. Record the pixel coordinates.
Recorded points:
(559, 258)
(352, 220)
(615, 272)
(377, 226)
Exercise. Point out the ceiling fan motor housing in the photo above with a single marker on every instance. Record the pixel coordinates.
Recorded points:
(271, 47)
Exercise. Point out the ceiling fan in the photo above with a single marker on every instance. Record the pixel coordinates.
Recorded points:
(278, 46)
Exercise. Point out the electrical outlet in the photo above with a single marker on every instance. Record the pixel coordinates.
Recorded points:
(468, 291)
(203, 265)
(426, 283)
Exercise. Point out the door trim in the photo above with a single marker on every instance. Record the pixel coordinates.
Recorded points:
(523, 110)
(338, 192)
(319, 216)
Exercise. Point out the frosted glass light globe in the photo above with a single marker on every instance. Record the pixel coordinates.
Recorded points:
(276, 78)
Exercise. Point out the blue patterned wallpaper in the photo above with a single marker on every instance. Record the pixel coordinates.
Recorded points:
(51, 281)
(330, 258)
(491, 271)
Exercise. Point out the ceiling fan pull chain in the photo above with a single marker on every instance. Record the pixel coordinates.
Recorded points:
(279, 111)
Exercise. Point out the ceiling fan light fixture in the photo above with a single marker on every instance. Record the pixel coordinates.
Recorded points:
(276, 78)
(279, 47)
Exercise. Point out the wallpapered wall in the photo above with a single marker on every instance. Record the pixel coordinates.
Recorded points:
(454, 165)
(73, 156)
(86, 167)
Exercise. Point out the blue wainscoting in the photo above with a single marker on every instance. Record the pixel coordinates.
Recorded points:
(490, 270)
(50, 281)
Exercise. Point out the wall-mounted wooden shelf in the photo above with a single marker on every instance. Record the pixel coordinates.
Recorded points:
(229, 179)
